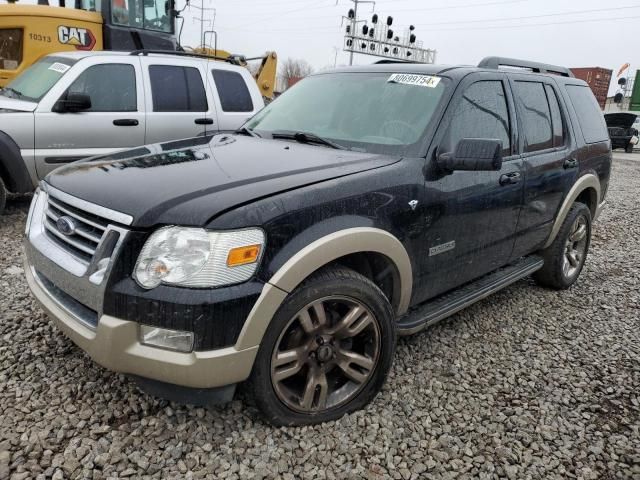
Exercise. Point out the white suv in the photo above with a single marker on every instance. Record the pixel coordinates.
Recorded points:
(70, 106)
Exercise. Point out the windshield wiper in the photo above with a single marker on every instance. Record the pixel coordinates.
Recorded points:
(14, 91)
(248, 131)
(304, 137)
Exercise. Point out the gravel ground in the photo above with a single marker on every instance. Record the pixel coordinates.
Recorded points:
(529, 383)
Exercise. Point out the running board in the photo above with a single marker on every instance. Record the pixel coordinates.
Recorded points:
(447, 304)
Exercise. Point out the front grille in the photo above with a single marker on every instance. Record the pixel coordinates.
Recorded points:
(87, 232)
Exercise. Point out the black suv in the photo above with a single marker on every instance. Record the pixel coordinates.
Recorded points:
(363, 204)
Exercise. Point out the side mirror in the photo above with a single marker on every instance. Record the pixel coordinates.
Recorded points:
(476, 154)
(73, 102)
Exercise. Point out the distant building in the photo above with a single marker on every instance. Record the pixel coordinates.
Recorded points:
(598, 79)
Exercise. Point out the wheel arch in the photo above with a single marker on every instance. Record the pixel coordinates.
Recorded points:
(13, 170)
(587, 190)
(344, 246)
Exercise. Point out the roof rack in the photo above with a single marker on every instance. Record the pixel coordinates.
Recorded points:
(233, 59)
(536, 67)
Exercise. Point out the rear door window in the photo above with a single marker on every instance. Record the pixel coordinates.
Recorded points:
(535, 116)
(557, 122)
(233, 91)
(590, 117)
(177, 89)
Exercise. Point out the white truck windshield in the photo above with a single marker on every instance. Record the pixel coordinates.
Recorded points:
(37, 80)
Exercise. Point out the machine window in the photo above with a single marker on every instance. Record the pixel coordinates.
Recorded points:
(536, 116)
(233, 92)
(482, 113)
(557, 122)
(590, 118)
(111, 87)
(10, 48)
(148, 14)
(177, 89)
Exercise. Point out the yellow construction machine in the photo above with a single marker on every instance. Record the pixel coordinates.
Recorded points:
(28, 32)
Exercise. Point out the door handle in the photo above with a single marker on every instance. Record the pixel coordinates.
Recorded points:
(126, 122)
(570, 163)
(510, 178)
(203, 121)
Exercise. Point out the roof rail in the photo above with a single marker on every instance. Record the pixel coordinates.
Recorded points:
(390, 60)
(233, 59)
(536, 67)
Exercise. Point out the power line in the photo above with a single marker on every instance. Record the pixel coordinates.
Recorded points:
(337, 30)
(319, 28)
(526, 17)
(314, 6)
(500, 27)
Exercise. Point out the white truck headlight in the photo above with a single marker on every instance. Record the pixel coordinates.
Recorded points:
(194, 257)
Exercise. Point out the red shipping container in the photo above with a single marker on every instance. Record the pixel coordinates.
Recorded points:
(598, 79)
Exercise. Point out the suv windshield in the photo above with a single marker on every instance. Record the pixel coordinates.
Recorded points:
(37, 80)
(373, 112)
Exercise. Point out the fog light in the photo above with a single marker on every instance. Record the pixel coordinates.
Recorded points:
(164, 338)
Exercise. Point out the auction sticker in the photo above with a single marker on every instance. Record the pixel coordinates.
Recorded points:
(413, 79)
(59, 67)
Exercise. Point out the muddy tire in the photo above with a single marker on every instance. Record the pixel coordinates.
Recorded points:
(565, 257)
(327, 350)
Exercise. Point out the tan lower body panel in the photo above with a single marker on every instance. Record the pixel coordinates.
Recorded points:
(114, 345)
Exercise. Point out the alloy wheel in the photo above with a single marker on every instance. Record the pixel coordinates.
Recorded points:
(576, 247)
(325, 355)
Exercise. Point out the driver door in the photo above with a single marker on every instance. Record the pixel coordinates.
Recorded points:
(114, 121)
(471, 216)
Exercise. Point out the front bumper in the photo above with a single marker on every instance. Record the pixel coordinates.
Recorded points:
(114, 345)
(72, 293)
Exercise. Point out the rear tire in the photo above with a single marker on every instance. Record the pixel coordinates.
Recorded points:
(565, 257)
(327, 350)
(3, 196)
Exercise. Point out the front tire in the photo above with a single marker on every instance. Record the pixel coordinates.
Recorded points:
(565, 257)
(327, 350)
(629, 148)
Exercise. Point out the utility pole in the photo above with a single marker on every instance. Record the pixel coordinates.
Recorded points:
(354, 22)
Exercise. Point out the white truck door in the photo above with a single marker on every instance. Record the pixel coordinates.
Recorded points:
(114, 121)
(177, 106)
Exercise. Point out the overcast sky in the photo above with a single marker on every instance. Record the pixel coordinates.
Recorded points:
(584, 33)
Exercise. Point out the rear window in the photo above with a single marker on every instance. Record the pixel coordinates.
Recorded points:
(556, 117)
(10, 48)
(590, 117)
(177, 89)
(233, 91)
(536, 116)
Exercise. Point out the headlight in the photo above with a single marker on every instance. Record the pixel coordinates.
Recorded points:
(194, 257)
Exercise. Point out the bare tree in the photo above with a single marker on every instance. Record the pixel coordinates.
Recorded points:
(292, 70)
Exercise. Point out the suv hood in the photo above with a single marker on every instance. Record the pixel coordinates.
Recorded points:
(624, 120)
(189, 182)
(18, 105)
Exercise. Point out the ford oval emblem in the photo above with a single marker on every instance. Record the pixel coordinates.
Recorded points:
(66, 225)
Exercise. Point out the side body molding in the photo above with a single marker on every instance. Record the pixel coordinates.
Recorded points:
(313, 257)
(586, 181)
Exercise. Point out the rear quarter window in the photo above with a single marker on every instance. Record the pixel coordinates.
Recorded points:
(233, 91)
(590, 117)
